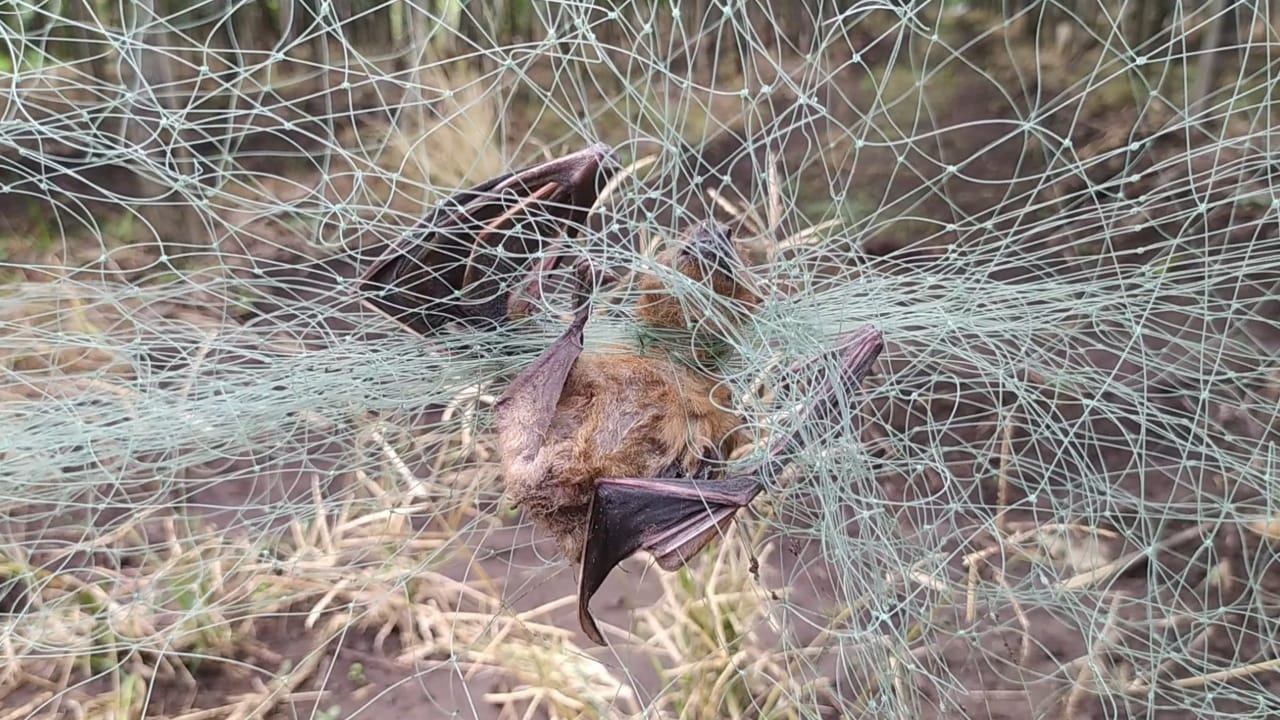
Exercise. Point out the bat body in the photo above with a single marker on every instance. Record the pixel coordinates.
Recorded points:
(616, 416)
(612, 451)
(573, 420)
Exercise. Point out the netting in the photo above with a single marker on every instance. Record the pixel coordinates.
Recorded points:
(226, 496)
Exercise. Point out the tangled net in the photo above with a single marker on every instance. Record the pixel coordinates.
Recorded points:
(223, 495)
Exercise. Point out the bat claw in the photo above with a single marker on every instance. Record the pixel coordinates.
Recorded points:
(587, 277)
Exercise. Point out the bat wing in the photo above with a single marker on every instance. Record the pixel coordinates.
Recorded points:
(829, 403)
(526, 408)
(672, 518)
(456, 262)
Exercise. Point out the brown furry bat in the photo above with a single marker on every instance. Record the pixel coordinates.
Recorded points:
(618, 450)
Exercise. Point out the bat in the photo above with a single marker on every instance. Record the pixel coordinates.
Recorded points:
(617, 452)
(452, 265)
(613, 451)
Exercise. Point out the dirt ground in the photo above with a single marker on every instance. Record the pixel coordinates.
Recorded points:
(1028, 667)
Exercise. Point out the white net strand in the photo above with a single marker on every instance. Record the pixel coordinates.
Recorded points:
(227, 492)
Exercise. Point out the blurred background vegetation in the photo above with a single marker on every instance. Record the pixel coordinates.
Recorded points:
(201, 99)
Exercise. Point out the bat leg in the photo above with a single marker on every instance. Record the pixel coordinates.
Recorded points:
(671, 518)
(524, 299)
(525, 409)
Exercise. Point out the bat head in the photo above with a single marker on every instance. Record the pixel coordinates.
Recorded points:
(706, 255)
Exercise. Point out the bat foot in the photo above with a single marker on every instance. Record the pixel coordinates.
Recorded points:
(671, 518)
(523, 299)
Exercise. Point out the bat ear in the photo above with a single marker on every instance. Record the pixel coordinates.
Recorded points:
(462, 259)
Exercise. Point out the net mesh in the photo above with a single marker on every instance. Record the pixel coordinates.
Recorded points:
(1057, 497)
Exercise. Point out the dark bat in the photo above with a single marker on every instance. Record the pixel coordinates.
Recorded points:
(616, 452)
(457, 263)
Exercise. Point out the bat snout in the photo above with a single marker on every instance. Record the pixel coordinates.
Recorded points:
(709, 251)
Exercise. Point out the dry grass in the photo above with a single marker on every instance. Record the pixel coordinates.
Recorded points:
(448, 138)
(163, 598)
(183, 597)
(715, 634)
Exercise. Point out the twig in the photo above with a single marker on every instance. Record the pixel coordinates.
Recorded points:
(1083, 580)
(1002, 476)
(1140, 685)
(745, 216)
(774, 209)
(281, 687)
(971, 561)
(1086, 667)
(1024, 650)
(25, 710)
(416, 488)
(323, 603)
(1234, 673)
(196, 363)
(804, 236)
(626, 172)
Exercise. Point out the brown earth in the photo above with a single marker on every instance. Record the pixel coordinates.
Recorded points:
(1015, 673)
